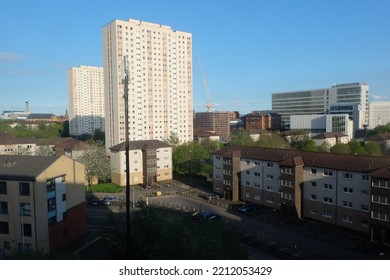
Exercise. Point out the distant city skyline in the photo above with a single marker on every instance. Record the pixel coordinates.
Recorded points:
(248, 49)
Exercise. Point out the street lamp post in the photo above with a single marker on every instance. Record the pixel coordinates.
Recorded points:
(126, 81)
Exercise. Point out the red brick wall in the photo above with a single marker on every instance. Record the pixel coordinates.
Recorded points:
(71, 228)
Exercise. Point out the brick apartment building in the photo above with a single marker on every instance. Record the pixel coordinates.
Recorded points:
(349, 191)
(150, 162)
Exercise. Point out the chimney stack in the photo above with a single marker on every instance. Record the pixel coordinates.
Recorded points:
(27, 109)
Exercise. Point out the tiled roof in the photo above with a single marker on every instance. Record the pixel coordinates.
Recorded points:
(23, 167)
(352, 163)
(327, 135)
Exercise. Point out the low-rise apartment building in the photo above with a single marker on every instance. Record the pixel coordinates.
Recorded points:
(150, 161)
(344, 190)
(42, 203)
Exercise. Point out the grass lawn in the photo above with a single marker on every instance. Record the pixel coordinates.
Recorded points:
(104, 188)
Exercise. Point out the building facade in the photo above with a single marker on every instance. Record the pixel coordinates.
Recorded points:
(42, 203)
(160, 89)
(150, 162)
(217, 123)
(266, 120)
(319, 101)
(348, 191)
(379, 113)
(85, 100)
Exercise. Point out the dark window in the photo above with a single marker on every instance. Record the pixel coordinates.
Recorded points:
(4, 229)
(7, 245)
(26, 230)
(51, 204)
(3, 207)
(3, 187)
(63, 196)
(24, 188)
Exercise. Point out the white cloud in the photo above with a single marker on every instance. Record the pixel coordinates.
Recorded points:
(10, 57)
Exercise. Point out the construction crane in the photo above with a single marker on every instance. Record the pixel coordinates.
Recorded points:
(209, 105)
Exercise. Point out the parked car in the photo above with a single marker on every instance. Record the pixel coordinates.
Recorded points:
(248, 208)
(95, 202)
(109, 200)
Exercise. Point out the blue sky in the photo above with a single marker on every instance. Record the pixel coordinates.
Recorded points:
(248, 48)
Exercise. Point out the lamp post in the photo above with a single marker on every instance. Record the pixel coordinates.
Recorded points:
(126, 81)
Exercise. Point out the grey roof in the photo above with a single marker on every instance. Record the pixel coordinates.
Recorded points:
(36, 116)
(141, 145)
(23, 167)
(327, 135)
(365, 164)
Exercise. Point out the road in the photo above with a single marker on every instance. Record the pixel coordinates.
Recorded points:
(265, 240)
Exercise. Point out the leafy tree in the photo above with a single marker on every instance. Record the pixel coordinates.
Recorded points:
(99, 135)
(379, 129)
(187, 157)
(173, 139)
(97, 163)
(171, 235)
(355, 147)
(373, 149)
(240, 137)
(272, 140)
(211, 145)
(340, 149)
(45, 151)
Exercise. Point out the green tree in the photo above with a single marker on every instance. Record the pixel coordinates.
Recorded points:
(97, 163)
(373, 149)
(272, 140)
(99, 135)
(172, 235)
(241, 138)
(379, 129)
(341, 149)
(356, 147)
(211, 145)
(173, 139)
(187, 158)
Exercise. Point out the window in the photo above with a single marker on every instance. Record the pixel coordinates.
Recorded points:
(313, 171)
(365, 178)
(348, 190)
(63, 196)
(3, 207)
(313, 184)
(4, 228)
(257, 174)
(24, 188)
(328, 200)
(51, 204)
(3, 187)
(365, 193)
(26, 230)
(270, 199)
(328, 187)
(270, 177)
(313, 197)
(327, 214)
(365, 207)
(348, 175)
(347, 204)
(313, 210)
(269, 164)
(7, 245)
(328, 173)
(347, 219)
